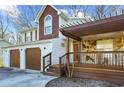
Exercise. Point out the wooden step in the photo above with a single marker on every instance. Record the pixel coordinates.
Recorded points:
(52, 74)
(101, 71)
(53, 70)
(99, 77)
(89, 76)
(116, 76)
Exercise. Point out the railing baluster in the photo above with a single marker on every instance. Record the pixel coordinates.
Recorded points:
(100, 59)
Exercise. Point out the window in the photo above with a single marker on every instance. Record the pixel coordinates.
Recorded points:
(20, 38)
(105, 45)
(28, 38)
(48, 25)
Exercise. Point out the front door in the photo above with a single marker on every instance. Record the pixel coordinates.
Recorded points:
(76, 49)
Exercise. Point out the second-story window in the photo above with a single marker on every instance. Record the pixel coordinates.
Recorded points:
(48, 25)
(28, 37)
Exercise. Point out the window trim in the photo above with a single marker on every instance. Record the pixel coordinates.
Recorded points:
(46, 26)
(28, 37)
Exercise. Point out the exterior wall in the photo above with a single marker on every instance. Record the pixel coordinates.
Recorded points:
(58, 49)
(55, 24)
(45, 47)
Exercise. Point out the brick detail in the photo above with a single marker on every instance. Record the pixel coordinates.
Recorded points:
(55, 23)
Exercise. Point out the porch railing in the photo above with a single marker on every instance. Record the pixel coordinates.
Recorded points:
(101, 59)
(47, 61)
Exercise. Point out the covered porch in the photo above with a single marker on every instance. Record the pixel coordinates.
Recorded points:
(96, 43)
(95, 47)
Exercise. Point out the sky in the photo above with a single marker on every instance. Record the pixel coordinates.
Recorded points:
(14, 11)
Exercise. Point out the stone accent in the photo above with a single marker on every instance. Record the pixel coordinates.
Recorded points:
(89, 45)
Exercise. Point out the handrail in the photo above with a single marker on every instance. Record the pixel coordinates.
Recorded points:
(45, 60)
(102, 59)
(47, 54)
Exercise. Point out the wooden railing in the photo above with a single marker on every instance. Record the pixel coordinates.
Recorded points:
(101, 59)
(47, 61)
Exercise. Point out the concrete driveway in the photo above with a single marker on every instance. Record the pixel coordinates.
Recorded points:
(10, 77)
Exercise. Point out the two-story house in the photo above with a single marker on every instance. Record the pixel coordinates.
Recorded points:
(34, 44)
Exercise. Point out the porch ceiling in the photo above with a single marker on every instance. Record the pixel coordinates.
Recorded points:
(112, 24)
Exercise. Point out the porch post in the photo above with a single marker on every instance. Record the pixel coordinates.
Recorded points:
(68, 48)
(80, 53)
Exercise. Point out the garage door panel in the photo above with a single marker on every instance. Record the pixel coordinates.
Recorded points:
(14, 58)
(33, 58)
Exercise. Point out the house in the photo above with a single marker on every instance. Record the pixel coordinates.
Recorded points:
(35, 43)
(82, 47)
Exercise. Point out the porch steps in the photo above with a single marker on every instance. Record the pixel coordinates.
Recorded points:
(53, 70)
(115, 76)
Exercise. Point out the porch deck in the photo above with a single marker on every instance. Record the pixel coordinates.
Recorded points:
(82, 71)
(103, 65)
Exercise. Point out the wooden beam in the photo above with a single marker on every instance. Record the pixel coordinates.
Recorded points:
(71, 24)
(74, 23)
(82, 21)
(70, 35)
(78, 23)
(68, 25)
(90, 20)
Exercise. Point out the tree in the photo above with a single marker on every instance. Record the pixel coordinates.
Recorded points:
(4, 24)
(100, 11)
(26, 18)
(75, 9)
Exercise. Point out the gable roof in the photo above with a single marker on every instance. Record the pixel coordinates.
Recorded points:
(43, 9)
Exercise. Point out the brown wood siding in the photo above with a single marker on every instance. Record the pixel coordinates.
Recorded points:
(55, 24)
(14, 58)
(33, 58)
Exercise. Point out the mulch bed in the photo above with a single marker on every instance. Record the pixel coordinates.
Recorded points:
(79, 82)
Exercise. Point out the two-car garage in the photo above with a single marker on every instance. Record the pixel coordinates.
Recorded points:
(32, 58)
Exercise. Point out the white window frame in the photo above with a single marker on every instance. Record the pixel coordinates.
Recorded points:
(47, 26)
(28, 37)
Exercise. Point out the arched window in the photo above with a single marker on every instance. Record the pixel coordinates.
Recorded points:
(48, 25)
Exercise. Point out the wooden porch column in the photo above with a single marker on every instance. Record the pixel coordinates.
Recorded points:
(80, 51)
(68, 48)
